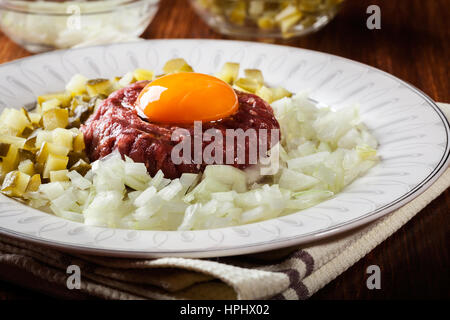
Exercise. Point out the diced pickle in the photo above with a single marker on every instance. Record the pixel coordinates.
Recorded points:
(54, 163)
(309, 21)
(115, 83)
(34, 117)
(255, 75)
(287, 23)
(15, 120)
(266, 22)
(279, 93)
(74, 157)
(77, 85)
(58, 149)
(78, 100)
(27, 132)
(127, 79)
(97, 104)
(26, 166)
(25, 113)
(310, 5)
(43, 136)
(30, 144)
(286, 12)
(177, 65)
(59, 175)
(50, 104)
(15, 183)
(26, 155)
(63, 98)
(229, 72)
(63, 137)
(81, 166)
(39, 167)
(238, 13)
(247, 84)
(16, 141)
(78, 142)
(35, 182)
(74, 122)
(80, 110)
(47, 148)
(4, 148)
(11, 160)
(99, 86)
(272, 94)
(265, 94)
(55, 118)
(256, 8)
(42, 154)
(143, 74)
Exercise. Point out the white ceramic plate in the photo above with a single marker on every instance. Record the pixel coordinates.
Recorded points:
(412, 131)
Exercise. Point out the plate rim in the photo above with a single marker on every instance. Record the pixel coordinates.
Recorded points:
(272, 244)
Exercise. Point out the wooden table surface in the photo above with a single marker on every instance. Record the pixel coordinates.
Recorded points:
(413, 44)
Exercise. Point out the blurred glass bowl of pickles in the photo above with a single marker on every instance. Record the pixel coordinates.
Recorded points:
(266, 18)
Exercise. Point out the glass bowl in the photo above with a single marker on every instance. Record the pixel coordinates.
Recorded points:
(45, 25)
(266, 18)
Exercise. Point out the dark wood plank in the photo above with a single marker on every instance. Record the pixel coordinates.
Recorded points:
(413, 44)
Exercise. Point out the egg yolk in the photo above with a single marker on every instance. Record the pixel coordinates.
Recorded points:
(187, 97)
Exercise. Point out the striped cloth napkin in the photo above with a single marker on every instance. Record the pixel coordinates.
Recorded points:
(291, 273)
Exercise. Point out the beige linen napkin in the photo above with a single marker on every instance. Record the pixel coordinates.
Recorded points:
(292, 273)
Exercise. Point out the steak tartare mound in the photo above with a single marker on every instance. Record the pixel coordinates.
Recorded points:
(116, 125)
